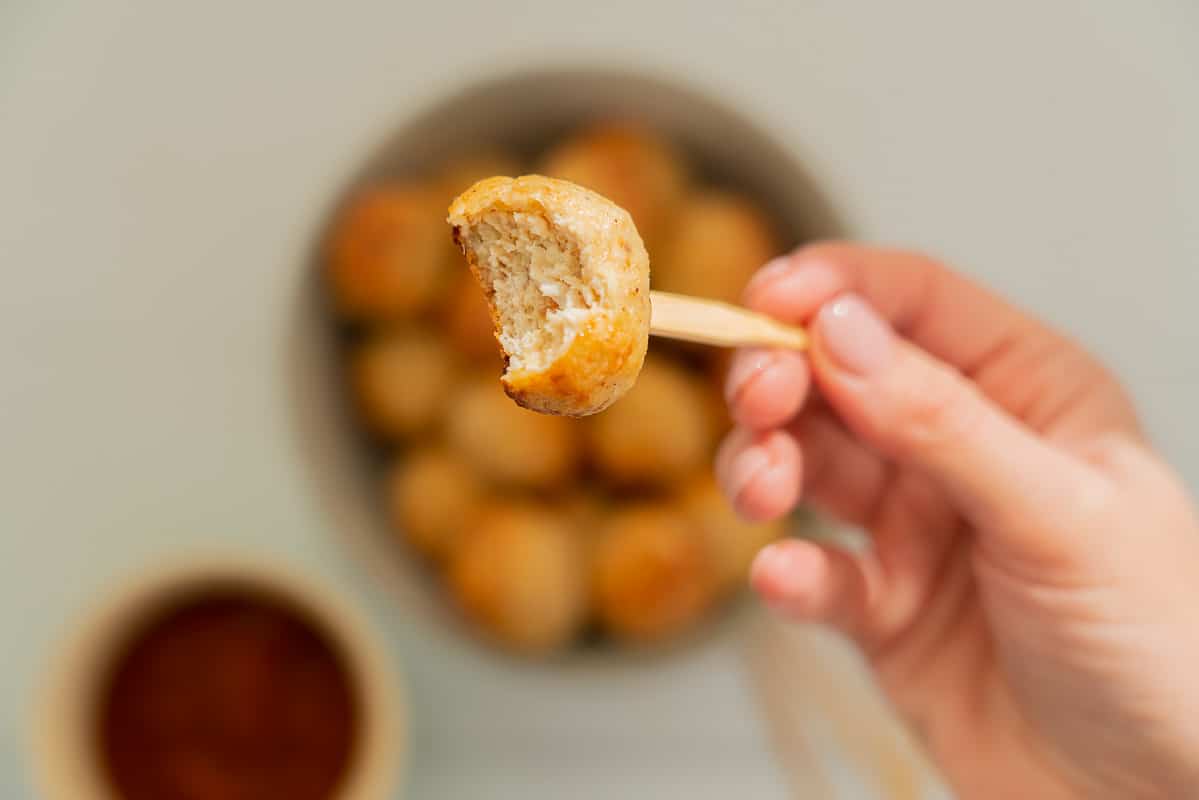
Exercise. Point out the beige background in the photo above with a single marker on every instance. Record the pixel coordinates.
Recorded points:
(162, 169)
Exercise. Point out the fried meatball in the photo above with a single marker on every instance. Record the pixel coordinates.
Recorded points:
(518, 574)
(460, 173)
(431, 495)
(660, 432)
(650, 574)
(567, 280)
(508, 444)
(587, 508)
(468, 320)
(635, 168)
(401, 377)
(387, 253)
(716, 243)
(731, 541)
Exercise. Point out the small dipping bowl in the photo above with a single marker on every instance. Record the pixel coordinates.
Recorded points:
(68, 756)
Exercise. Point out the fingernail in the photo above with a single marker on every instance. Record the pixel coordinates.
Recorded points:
(745, 468)
(747, 366)
(769, 561)
(856, 337)
(793, 277)
(734, 441)
(772, 574)
(769, 271)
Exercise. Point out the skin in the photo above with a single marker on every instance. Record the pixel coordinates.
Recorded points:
(1028, 603)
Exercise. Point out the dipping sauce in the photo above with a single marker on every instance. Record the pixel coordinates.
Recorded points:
(228, 695)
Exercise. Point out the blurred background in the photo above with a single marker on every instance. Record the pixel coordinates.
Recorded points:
(232, 323)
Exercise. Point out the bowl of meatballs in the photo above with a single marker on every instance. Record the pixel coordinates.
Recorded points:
(545, 535)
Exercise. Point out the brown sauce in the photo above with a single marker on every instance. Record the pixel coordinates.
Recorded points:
(229, 695)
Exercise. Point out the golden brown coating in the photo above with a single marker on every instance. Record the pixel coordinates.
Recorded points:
(587, 509)
(461, 173)
(467, 319)
(387, 255)
(401, 377)
(716, 243)
(431, 495)
(718, 412)
(660, 432)
(567, 280)
(731, 541)
(508, 444)
(650, 574)
(455, 178)
(635, 168)
(518, 574)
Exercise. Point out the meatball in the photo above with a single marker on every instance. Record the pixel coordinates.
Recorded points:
(455, 178)
(468, 320)
(387, 253)
(431, 495)
(567, 277)
(587, 509)
(731, 541)
(717, 242)
(518, 574)
(508, 444)
(650, 574)
(631, 166)
(401, 377)
(460, 173)
(660, 432)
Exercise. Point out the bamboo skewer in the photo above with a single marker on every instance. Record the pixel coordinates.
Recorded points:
(693, 319)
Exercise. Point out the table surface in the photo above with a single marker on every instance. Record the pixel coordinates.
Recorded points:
(163, 168)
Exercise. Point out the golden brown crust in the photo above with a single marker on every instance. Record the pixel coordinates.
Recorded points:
(400, 377)
(651, 577)
(600, 365)
(518, 575)
(467, 320)
(605, 356)
(386, 257)
(630, 165)
(510, 445)
(731, 541)
(659, 434)
(431, 495)
(716, 243)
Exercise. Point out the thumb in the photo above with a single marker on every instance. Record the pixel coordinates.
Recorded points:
(924, 414)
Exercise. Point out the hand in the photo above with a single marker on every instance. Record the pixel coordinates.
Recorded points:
(1029, 600)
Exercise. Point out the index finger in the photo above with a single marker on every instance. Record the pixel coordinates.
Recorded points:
(937, 309)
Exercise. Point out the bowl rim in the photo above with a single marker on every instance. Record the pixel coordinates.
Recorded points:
(339, 463)
(62, 745)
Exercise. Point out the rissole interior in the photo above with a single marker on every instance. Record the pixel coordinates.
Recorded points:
(535, 280)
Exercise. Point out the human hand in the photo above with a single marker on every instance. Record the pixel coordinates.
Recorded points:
(1028, 602)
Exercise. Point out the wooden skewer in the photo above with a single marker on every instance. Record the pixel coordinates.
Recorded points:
(693, 319)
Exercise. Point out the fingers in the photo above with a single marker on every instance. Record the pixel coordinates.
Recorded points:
(842, 477)
(808, 582)
(839, 475)
(889, 349)
(919, 412)
(766, 388)
(937, 309)
(1030, 370)
(760, 473)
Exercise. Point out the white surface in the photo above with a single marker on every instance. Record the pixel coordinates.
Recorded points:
(162, 171)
